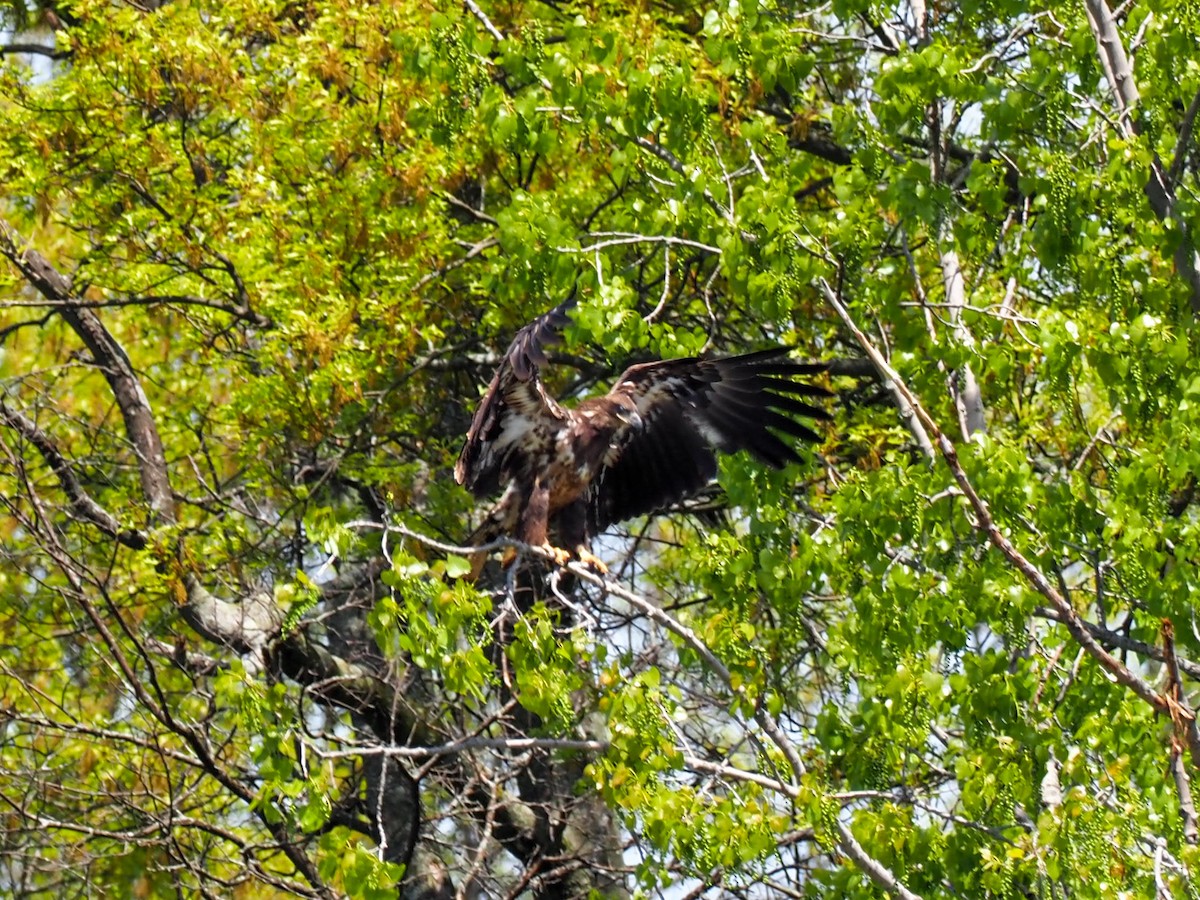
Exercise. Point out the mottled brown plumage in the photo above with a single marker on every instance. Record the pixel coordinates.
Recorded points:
(648, 443)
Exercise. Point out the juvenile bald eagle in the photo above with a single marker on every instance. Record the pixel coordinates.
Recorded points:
(648, 443)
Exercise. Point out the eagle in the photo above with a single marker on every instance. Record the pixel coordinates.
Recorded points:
(649, 442)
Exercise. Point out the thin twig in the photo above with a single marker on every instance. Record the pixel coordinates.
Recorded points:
(621, 238)
(472, 252)
(903, 404)
(455, 747)
(662, 301)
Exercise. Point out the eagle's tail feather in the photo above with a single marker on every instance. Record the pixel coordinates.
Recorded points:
(487, 532)
(498, 521)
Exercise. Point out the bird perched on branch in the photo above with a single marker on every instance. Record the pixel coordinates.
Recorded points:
(649, 442)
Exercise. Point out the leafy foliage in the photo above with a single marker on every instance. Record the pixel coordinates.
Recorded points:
(953, 656)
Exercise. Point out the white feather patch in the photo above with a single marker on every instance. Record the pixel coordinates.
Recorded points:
(711, 434)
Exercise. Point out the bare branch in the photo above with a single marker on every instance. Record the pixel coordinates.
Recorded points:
(903, 402)
(1183, 719)
(476, 214)
(676, 166)
(1184, 730)
(27, 323)
(81, 502)
(967, 396)
(33, 50)
(110, 358)
(472, 252)
(150, 698)
(1187, 808)
(467, 744)
(246, 626)
(1118, 641)
(1114, 61)
(483, 19)
(617, 238)
(238, 312)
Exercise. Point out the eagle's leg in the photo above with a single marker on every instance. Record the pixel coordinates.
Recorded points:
(535, 520)
(573, 532)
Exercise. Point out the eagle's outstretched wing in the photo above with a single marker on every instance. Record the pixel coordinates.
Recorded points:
(516, 413)
(690, 409)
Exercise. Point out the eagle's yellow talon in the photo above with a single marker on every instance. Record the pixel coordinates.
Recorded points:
(560, 556)
(592, 562)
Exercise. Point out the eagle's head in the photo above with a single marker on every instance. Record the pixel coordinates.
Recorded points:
(626, 411)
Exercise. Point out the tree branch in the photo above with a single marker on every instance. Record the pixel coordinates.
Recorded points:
(985, 524)
(1160, 186)
(1187, 808)
(483, 19)
(903, 401)
(81, 502)
(1183, 141)
(109, 358)
(1182, 718)
(1118, 641)
(33, 50)
(967, 396)
(237, 312)
(151, 699)
(870, 866)
(476, 214)
(1113, 60)
(1185, 730)
(246, 627)
(662, 153)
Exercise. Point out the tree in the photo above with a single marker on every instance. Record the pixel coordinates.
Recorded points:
(262, 257)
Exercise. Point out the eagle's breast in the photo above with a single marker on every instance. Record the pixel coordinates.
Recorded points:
(578, 454)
